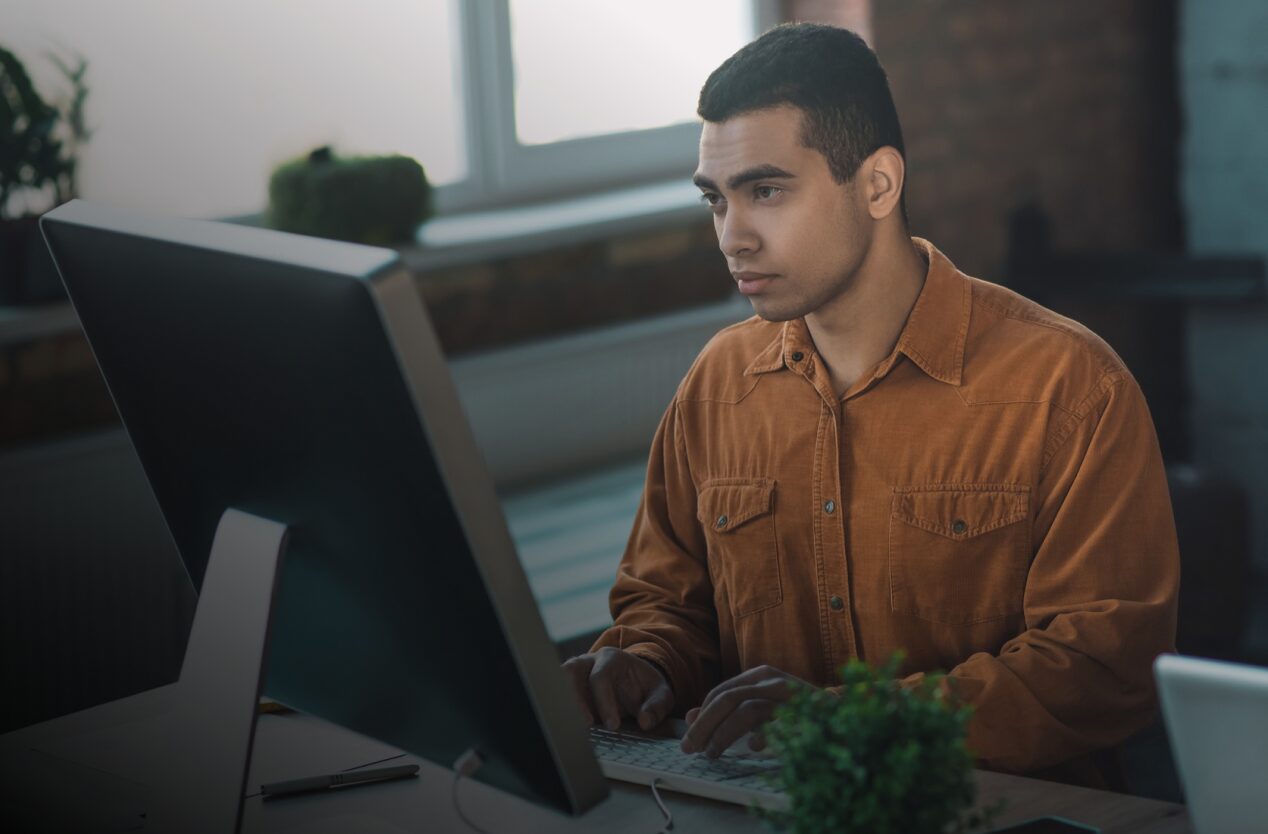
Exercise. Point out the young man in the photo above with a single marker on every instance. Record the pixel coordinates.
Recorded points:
(889, 455)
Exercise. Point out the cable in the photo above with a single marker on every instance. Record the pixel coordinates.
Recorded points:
(466, 764)
(669, 818)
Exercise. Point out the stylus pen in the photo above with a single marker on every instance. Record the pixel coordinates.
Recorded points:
(337, 780)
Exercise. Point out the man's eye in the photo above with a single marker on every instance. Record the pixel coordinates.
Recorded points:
(765, 192)
(709, 198)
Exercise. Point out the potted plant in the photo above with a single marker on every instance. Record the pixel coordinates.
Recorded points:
(39, 146)
(379, 200)
(879, 757)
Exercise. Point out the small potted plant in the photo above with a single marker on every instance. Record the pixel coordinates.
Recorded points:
(879, 757)
(39, 146)
(379, 200)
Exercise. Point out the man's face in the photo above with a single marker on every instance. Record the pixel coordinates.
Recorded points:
(792, 235)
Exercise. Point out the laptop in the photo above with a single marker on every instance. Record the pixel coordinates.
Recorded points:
(1217, 719)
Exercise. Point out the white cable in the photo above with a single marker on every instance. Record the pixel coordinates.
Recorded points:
(669, 818)
(466, 764)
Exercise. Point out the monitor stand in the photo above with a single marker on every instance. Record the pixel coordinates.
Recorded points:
(186, 747)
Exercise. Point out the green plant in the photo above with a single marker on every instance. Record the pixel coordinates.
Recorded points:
(39, 142)
(879, 757)
(377, 200)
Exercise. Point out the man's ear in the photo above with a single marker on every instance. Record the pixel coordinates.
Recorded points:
(883, 175)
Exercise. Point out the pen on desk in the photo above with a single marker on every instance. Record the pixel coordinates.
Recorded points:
(337, 780)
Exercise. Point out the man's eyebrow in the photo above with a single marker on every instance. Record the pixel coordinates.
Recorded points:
(757, 172)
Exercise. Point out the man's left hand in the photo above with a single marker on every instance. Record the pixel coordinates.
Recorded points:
(742, 704)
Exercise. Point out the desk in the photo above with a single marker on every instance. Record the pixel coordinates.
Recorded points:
(425, 804)
(292, 746)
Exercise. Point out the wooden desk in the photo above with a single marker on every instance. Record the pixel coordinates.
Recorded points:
(426, 804)
(1111, 812)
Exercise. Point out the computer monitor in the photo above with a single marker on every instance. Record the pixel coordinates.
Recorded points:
(300, 380)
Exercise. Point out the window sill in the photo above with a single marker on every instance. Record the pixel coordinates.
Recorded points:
(480, 236)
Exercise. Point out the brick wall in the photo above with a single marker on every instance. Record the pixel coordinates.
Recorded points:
(1070, 106)
(518, 299)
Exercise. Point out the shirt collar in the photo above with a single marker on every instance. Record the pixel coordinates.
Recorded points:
(933, 337)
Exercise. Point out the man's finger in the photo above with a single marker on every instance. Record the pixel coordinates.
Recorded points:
(578, 669)
(629, 692)
(601, 688)
(745, 678)
(701, 731)
(747, 716)
(656, 707)
(712, 715)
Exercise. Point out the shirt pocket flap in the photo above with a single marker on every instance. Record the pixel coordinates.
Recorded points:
(728, 503)
(962, 511)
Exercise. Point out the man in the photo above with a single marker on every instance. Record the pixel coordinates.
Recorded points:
(889, 455)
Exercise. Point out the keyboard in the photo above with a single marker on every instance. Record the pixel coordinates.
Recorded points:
(740, 776)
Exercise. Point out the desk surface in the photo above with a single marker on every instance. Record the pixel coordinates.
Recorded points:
(426, 804)
(294, 746)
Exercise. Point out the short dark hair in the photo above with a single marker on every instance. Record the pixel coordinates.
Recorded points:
(827, 72)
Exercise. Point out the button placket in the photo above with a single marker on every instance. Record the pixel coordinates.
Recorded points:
(839, 601)
(839, 639)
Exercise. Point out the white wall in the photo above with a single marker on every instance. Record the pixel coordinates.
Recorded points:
(193, 103)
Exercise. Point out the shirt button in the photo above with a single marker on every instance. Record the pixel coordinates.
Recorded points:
(798, 356)
(837, 603)
(958, 527)
(721, 521)
(829, 506)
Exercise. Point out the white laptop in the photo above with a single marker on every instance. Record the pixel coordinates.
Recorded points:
(1217, 719)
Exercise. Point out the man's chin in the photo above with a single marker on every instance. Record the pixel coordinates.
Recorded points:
(772, 312)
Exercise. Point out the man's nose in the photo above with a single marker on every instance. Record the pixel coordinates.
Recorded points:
(736, 236)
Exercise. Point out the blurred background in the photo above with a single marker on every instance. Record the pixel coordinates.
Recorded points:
(1107, 158)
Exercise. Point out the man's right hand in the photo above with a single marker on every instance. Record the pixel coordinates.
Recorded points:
(612, 684)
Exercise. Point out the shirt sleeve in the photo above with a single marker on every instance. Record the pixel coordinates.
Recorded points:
(1100, 597)
(662, 601)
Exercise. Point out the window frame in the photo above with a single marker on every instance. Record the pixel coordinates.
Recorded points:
(501, 172)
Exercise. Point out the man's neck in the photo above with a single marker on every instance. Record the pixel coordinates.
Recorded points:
(859, 328)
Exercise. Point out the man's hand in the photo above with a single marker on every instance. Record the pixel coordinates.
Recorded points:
(612, 683)
(735, 707)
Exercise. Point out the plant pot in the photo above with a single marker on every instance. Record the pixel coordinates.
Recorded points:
(27, 273)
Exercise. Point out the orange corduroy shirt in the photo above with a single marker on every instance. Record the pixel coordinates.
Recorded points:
(990, 499)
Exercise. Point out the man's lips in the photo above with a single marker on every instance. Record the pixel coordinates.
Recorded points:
(752, 282)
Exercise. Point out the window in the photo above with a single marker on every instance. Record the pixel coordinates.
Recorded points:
(193, 104)
(573, 94)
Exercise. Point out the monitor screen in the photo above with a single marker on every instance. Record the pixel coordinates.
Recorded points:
(300, 380)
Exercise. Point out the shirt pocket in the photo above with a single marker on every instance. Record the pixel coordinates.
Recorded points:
(738, 518)
(959, 553)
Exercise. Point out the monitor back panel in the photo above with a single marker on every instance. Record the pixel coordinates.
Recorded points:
(253, 370)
